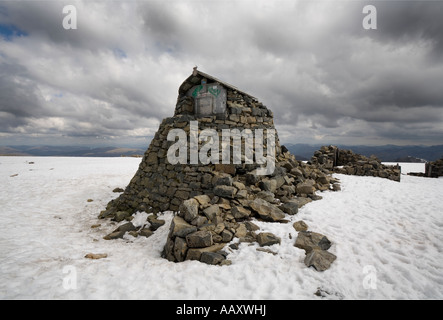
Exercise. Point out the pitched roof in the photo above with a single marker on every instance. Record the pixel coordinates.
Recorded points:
(196, 77)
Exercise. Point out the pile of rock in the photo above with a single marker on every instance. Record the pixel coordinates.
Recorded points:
(214, 203)
(146, 230)
(433, 169)
(205, 223)
(315, 246)
(348, 162)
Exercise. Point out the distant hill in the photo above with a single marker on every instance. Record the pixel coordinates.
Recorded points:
(387, 153)
(69, 151)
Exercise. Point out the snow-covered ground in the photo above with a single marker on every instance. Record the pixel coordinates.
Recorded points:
(387, 236)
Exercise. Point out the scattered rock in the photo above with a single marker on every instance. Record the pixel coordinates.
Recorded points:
(290, 207)
(336, 187)
(118, 190)
(321, 260)
(146, 232)
(266, 250)
(114, 235)
(212, 258)
(267, 239)
(155, 222)
(121, 215)
(96, 255)
(125, 227)
(300, 225)
(308, 241)
(266, 210)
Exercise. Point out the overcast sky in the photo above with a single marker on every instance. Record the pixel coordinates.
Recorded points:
(326, 78)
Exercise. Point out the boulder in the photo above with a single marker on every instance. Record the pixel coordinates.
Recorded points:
(213, 258)
(308, 241)
(203, 199)
(114, 235)
(225, 191)
(211, 212)
(321, 260)
(125, 227)
(199, 239)
(241, 231)
(96, 255)
(195, 253)
(180, 249)
(290, 207)
(222, 179)
(121, 215)
(145, 233)
(189, 209)
(266, 210)
(226, 235)
(266, 195)
(267, 239)
(306, 187)
(155, 222)
(300, 226)
(180, 228)
(240, 212)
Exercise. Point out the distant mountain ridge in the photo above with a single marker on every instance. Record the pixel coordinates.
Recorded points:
(386, 153)
(69, 151)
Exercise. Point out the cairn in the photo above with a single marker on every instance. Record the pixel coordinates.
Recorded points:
(216, 201)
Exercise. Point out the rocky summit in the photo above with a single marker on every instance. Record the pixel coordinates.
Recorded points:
(215, 202)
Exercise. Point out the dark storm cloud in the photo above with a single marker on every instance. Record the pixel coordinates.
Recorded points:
(406, 21)
(322, 74)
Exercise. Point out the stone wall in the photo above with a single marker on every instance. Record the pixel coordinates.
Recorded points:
(434, 169)
(348, 162)
(160, 186)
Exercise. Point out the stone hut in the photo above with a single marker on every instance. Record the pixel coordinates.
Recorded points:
(216, 200)
(159, 185)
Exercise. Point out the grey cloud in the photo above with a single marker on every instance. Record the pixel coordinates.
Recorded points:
(312, 63)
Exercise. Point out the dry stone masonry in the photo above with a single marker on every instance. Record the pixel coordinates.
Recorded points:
(215, 204)
(348, 162)
(433, 169)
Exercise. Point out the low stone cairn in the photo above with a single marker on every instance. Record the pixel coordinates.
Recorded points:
(433, 169)
(348, 162)
(206, 223)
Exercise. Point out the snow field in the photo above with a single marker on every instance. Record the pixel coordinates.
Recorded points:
(387, 237)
